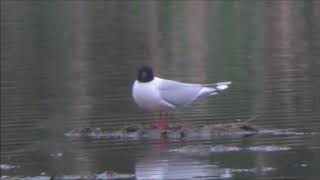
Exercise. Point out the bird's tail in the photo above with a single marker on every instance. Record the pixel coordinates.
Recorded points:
(218, 87)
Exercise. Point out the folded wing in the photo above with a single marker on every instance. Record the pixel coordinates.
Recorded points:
(181, 94)
(178, 94)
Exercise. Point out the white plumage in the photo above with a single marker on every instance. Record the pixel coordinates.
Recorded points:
(154, 94)
(161, 95)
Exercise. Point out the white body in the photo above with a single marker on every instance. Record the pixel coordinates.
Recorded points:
(161, 95)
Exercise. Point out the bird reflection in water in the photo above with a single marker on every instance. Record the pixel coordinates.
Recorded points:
(159, 163)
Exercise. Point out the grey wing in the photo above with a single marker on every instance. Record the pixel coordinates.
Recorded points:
(179, 94)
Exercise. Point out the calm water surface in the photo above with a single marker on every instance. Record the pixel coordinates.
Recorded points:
(71, 64)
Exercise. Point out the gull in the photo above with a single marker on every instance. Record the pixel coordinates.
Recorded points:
(154, 94)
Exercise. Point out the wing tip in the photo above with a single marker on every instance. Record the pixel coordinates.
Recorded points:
(223, 85)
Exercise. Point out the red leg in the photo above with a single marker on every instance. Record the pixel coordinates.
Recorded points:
(162, 122)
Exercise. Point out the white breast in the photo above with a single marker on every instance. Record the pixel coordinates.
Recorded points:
(148, 98)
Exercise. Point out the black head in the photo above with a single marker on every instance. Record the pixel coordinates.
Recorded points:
(145, 74)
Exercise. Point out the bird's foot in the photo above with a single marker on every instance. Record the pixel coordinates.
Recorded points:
(159, 126)
(162, 126)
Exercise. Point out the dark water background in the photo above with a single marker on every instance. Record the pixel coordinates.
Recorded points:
(71, 64)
